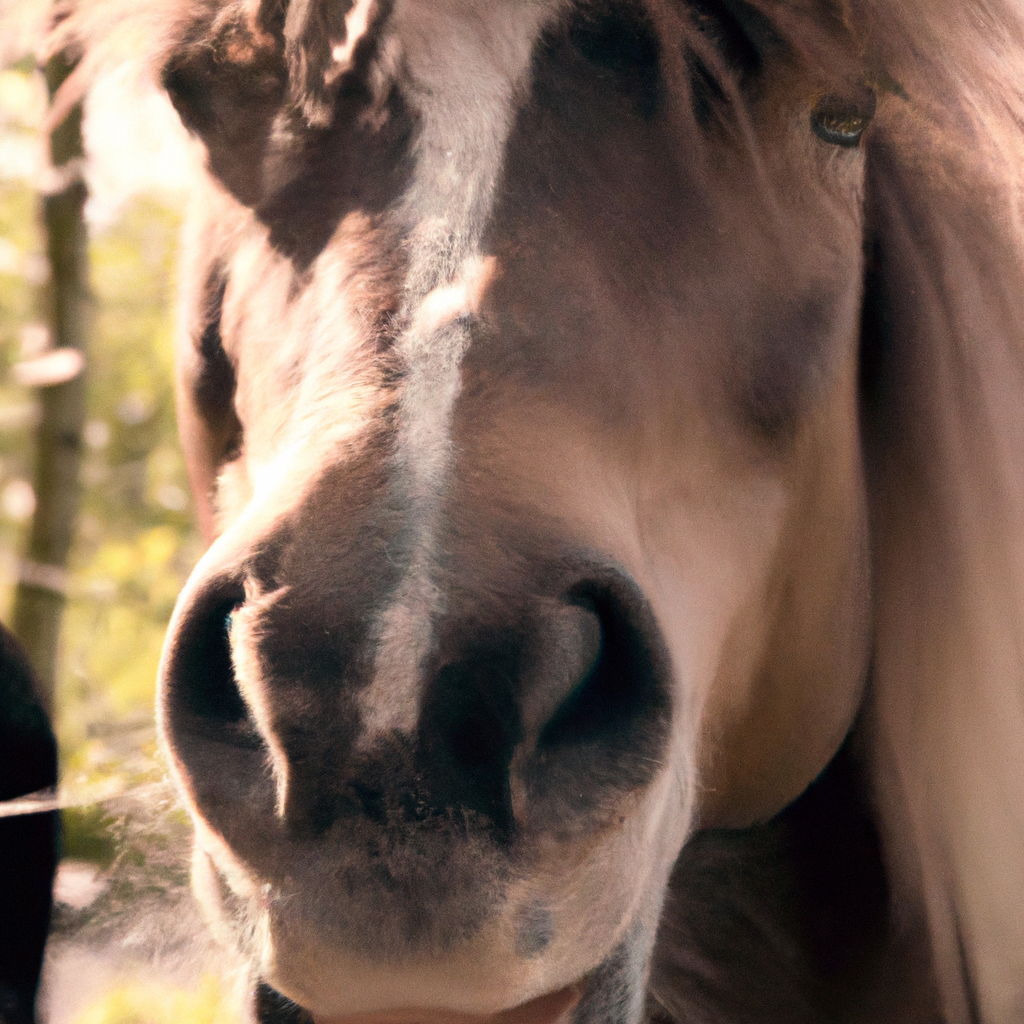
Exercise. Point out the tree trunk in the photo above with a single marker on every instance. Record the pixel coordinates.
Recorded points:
(41, 593)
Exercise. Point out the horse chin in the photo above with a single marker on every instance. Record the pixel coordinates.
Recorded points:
(337, 988)
(553, 1008)
(481, 981)
(487, 978)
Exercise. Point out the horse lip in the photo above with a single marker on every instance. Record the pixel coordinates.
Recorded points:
(553, 1008)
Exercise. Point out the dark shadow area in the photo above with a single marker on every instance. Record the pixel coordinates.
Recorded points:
(28, 843)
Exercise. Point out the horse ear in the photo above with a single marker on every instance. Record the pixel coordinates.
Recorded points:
(322, 38)
(227, 81)
(944, 442)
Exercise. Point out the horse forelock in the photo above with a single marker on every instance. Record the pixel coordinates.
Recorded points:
(959, 59)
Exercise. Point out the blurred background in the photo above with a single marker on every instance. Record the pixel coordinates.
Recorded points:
(127, 944)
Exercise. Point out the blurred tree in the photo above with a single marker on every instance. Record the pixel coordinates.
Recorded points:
(133, 548)
(42, 589)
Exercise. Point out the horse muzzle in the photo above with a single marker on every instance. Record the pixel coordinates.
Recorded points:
(496, 846)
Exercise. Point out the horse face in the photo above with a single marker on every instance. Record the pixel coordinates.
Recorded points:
(523, 339)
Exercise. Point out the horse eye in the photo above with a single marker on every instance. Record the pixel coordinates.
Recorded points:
(840, 121)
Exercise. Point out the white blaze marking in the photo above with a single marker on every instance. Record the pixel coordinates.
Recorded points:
(356, 23)
(454, 301)
(464, 61)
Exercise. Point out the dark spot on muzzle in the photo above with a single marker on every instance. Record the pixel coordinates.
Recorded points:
(535, 928)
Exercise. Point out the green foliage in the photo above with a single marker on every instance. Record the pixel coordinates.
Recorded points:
(158, 1004)
(134, 548)
(136, 542)
(22, 272)
(86, 835)
(19, 262)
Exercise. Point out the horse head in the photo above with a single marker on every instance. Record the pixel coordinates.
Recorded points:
(592, 408)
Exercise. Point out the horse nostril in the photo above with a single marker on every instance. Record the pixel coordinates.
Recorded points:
(618, 685)
(608, 730)
(200, 681)
(470, 726)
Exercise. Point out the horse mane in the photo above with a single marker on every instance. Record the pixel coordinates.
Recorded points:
(944, 426)
(941, 737)
(943, 415)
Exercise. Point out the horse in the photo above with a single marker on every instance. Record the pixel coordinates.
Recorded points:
(28, 843)
(606, 419)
